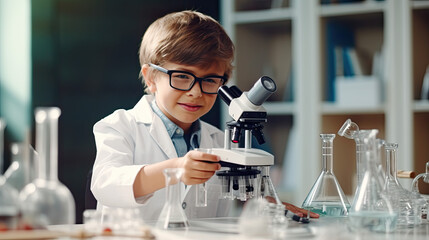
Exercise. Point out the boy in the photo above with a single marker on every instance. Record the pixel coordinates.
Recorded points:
(185, 57)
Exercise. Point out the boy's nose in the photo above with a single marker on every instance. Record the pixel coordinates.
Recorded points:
(196, 90)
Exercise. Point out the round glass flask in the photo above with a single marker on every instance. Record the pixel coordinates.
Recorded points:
(172, 215)
(326, 197)
(46, 201)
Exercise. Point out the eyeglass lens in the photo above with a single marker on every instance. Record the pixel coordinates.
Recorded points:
(184, 81)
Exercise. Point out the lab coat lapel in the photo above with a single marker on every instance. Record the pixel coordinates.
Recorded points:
(157, 130)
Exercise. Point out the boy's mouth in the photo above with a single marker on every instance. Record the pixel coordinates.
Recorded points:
(190, 107)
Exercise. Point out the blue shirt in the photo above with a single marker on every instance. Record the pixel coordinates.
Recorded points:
(182, 142)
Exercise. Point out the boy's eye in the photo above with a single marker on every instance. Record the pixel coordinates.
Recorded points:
(210, 80)
(214, 80)
(182, 76)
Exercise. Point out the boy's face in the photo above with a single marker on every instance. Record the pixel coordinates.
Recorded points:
(183, 107)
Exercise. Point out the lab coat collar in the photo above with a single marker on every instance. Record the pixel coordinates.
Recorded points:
(144, 114)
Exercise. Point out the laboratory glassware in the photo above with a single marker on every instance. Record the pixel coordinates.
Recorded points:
(350, 130)
(371, 210)
(275, 207)
(9, 206)
(423, 176)
(424, 199)
(47, 201)
(21, 170)
(2, 127)
(379, 161)
(326, 197)
(172, 214)
(401, 199)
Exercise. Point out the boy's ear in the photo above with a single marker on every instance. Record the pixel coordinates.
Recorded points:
(149, 78)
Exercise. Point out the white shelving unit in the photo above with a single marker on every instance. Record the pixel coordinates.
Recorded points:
(278, 41)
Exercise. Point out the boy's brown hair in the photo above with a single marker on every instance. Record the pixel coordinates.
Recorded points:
(188, 38)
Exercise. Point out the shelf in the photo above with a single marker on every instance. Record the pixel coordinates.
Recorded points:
(335, 109)
(420, 4)
(279, 108)
(267, 15)
(346, 9)
(421, 106)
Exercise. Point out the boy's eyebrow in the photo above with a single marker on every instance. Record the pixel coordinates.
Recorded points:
(207, 75)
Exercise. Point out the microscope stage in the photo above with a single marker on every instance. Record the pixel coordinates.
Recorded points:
(245, 157)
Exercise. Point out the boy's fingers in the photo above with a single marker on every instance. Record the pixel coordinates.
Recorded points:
(202, 156)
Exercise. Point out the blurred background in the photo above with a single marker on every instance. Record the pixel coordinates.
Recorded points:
(332, 60)
(81, 56)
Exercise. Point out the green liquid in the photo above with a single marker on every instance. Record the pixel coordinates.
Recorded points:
(329, 209)
(375, 221)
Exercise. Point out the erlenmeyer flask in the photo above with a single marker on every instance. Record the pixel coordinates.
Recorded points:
(326, 197)
(172, 215)
(275, 207)
(19, 174)
(46, 200)
(402, 200)
(370, 210)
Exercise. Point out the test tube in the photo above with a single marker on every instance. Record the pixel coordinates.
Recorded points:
(201, 195)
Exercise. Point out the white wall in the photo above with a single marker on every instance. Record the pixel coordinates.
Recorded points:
(15, 66)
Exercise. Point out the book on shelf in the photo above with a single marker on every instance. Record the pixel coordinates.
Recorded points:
(425, 85)
(339, 35)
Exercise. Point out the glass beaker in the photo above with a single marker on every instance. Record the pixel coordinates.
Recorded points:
(371, 210)
(401, 199)
(46, 200)
(172, 215)
(326, 197)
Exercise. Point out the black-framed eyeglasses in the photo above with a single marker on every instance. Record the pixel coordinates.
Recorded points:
(185, 81)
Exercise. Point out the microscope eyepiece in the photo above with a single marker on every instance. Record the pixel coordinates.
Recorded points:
(262, 90)
(226, 94)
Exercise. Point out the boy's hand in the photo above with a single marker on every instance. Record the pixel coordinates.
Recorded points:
(199, 167)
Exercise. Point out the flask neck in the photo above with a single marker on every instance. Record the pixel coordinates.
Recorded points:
(391, 162)
(47, 142)
(172, 181)
(327, 152)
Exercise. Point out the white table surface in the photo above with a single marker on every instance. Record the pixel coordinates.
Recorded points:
(317, 229)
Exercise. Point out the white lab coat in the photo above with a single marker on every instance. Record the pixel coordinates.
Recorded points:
(126, 141)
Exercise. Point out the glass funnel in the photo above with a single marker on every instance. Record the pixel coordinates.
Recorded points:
(402, 200)
(371, 210)
(326, 197)
(172, 215)
(46, 201)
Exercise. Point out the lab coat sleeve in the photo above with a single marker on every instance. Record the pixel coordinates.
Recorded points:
(114, 171)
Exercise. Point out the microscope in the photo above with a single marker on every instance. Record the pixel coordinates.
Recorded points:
(241, 180)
